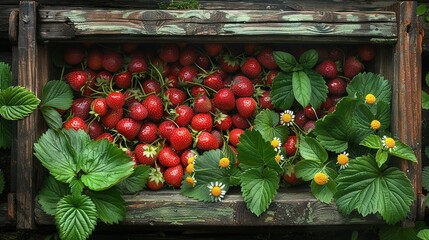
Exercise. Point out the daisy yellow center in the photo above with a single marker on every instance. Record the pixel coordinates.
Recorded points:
(287, 118)
(191, 160)
(370, 99)
(321, 178)
(278, 158)
(190, 181)
(216, 191)
(275, 143)
(390, 142)
(342, 159)
(190, 168)
(224, 162)
(375, 124)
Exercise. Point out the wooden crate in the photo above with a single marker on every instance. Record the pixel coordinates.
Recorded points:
(390, 24)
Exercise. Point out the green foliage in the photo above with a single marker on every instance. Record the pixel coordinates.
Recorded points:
(370, 83)
(136, 181)
(267, 123)
(5, 76)
(51, 193)
(310, 149)
(6, 133)
(109, 204)
(55, 95)
(423, 234)
(397, 232)
(301, 87)
(179, 4)
(17, 103)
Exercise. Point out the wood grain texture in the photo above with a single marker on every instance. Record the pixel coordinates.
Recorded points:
(5, 11)
(4, 220)
(168, 207)
(57, 24)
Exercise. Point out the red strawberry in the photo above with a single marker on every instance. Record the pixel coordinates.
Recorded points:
(81, 107)
(188, 56)
(169, 53)
(251, 67)
(173, 176)
(174, 96)
(202, 121)
(155, 180)
(104, 77)
(229, 63)
(154, 106)
(250, 48)
(290, 145)
(129, 47)
(311, 113)
(99, 107)
(137, 111)
(239, 121)
(352, 66)
(214, 81)
(202, 104)
(115, 100)
(146, 153)
(151, 86)
(75, 123)
(234, 136)
(366, 52)
(266, 58)
(265, 100)
(206, 141)
(219, 137)
(168, 158)
(172, 81)
(95, 129)
(137, 64)
(300, 118)
(112, 61)
(203, 61)
(197, 91)
(123, 79)
(246, 106)
(112, 118)
(73, 55)
(76, 79)
(107, 136)
(213, 49)
(327, 104)
(95, 59)
(180, 138)
(186, 155)
(270, 76)
(224, 99)
(309, 126)
(337, 86)
(241, 86)
(222, 121)
(128, 127)
(183, 115)
(336, 54)
(188, 74)
(290, 177)
(327, 68)
(148, 133)
(165, 128)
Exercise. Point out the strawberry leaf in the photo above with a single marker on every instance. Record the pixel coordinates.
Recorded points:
(423, 234)
(103, 165)
(229, 153)
(319, 89)
(109, 204)
(17, 103)
(324, 193)
(306, 169)
(76, 217)
(381, 157)
(364, 116)
(6, 133)
(51, 193)
(5, 76)
(57, 94)
(285, 61)
(425, 100)
(395, 232)
(365, 187)
(136, 181)
(52, 117)
(425, 178)
(259, 188)
(1, 181)
(369, 83)
(310, 149)
(254, 151)
(372, 141)
(76, 187)
(267, 123)
(309, 59)
(403, 151)
(301, 86)
(282, 95)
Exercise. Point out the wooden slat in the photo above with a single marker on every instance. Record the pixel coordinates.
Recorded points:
(5, 10)
(74, 24)
(169, 208)
(4, 221)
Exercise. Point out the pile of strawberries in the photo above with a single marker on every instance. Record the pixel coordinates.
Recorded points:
(165, 104)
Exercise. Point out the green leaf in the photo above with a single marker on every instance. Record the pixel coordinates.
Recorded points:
(259, 188)
(104, 165)
(310, 149)
(57, 94)
(364, 116)
(427, 79)
(75, 217)
(229, 153)
(110, 205)
(365, 83)
(2, 181)
(199, 192)
(136, 181)
(301, 86)
(423, 234)
(254, 151)
(6, 133)
(5, 76)
(372, 141)
(51, 193)
(267, 123)
(309, 58)
(425, 100)
(76, 187)
(364, 187)
(427, 151)
(324, 193)
(319, 89)
(421, 9)
(52, 117)
(17, 103)
(282, 95)
(396, 232)
(425, 178)
(285, 61)
(355, 235)
(381, 157)
(403, 151)
(306, 169)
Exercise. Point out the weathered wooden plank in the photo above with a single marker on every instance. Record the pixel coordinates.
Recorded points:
(4, 220)
(170, 208)
(5, 10)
